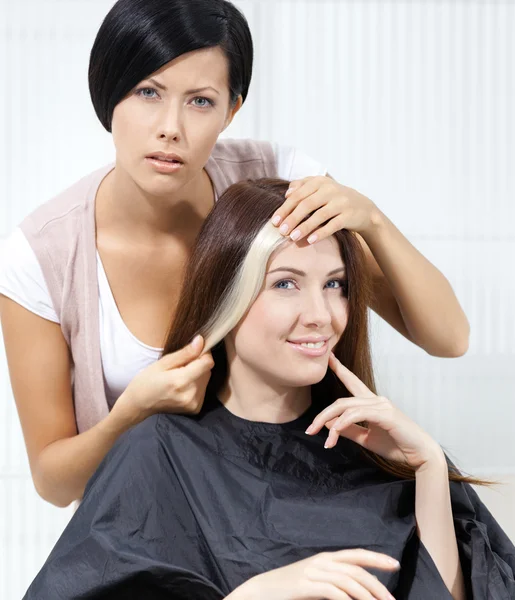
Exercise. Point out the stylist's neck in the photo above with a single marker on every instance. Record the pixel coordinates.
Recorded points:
(252, 396)
(123, 206)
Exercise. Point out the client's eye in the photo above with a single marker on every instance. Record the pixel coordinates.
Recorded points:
(285, 284)
(337, 283)
(342, 285)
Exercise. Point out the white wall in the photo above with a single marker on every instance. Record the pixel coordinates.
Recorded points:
(408, 102)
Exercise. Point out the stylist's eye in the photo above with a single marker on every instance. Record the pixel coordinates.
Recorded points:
(204, 102)
(147, 92)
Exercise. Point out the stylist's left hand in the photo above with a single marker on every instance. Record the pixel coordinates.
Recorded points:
(389, 432)
(334, 207)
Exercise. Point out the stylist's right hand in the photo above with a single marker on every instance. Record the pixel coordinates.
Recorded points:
(330, 575)
(176, 383)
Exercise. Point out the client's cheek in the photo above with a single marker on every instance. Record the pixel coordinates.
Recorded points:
(340, 318)
(340, 327)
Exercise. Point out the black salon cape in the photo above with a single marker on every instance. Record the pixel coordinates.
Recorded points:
(190, 507)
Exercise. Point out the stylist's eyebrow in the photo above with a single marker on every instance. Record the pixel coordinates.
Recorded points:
(195, 91)
(301, 273)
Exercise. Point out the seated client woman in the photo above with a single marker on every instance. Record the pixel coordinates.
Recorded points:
(295, 480)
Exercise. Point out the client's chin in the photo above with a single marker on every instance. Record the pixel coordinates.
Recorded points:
(309, 375)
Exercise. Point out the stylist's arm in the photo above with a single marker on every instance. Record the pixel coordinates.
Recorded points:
(61, 459)
(176, 383)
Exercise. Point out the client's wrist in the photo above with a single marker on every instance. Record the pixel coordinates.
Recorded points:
(245, 591)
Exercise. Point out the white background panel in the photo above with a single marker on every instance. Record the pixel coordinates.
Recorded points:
(408, 102)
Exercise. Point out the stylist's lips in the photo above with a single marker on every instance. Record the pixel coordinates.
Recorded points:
(165, 163)
(311, 345)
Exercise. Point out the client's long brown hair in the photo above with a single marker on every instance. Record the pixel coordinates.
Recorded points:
(221, 247)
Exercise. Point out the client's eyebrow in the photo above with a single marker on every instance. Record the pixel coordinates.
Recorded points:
(301, 273)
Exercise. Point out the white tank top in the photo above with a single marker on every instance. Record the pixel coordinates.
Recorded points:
(123, 355)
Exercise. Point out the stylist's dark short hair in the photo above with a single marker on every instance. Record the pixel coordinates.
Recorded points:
(138, 37)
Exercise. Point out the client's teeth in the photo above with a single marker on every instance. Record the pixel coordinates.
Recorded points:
(312, 344)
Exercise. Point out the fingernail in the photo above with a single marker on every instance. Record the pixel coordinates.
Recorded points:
(394, 562)
(312, 239)
(195, 340)
(310, 429)
(288, 192)
(283, 228)
(276, 220)
(295, 235)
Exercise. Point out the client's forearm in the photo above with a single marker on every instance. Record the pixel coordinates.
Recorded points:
(245, 591)
(435, 524)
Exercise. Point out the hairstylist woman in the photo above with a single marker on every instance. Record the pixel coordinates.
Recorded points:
(92, 276)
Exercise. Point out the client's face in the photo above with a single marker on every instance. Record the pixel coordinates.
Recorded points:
(298, 317)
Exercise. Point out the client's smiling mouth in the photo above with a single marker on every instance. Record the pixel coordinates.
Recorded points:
(313, 346)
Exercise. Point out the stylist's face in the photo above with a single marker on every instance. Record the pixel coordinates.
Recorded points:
(180, 109)
(298, 317)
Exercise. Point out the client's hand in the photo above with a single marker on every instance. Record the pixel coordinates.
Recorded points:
(329, 575)
(389, 433)
(176, 383)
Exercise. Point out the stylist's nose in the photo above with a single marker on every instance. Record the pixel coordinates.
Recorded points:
(315, 310)
(170, 126)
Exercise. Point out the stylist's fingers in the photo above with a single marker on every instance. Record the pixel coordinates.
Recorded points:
(185, 387)
(184, 355)
(196, 368)
(288, 205)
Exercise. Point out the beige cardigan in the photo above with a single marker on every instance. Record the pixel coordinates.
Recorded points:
(62, 234)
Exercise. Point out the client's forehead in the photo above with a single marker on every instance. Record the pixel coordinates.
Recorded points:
(323, 256)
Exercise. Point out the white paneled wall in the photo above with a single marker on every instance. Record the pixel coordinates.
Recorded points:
(411, 103)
